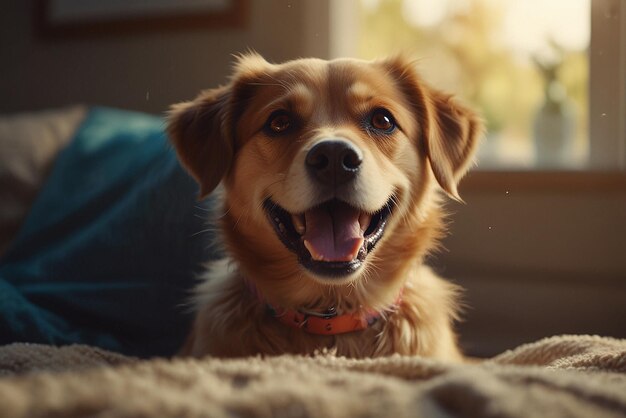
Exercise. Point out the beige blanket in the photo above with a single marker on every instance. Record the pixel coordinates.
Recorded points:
(568, 376)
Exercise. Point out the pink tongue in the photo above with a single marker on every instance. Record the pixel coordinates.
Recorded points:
(333, 232)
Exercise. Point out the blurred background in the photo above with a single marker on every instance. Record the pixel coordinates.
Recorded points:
(540, 244)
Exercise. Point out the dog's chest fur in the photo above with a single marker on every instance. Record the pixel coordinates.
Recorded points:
(233, 322)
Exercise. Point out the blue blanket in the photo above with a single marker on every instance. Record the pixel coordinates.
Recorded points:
(110, 249)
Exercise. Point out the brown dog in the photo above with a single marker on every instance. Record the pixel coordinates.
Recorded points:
(330, 202)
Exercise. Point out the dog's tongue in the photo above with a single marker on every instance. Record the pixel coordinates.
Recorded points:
(333, 232)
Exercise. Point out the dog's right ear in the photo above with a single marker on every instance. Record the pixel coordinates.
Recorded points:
(200, 131)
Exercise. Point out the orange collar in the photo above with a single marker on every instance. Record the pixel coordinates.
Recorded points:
(325, 323)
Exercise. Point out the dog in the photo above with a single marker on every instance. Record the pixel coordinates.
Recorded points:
(332, 179)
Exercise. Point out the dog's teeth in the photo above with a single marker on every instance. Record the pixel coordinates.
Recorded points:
(298, 223)
(281, 228)
(364, 220)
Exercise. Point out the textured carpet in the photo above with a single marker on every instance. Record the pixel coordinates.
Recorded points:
(565, 376)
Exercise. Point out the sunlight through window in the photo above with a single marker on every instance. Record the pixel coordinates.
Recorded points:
(524, 64)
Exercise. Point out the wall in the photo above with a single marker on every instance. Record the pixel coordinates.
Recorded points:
(538, 260)
(144, 72)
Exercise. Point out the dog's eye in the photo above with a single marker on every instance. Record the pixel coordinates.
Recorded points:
(382, 120)
(278, 122)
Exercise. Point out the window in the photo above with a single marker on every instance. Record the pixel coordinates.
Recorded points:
(548, 77)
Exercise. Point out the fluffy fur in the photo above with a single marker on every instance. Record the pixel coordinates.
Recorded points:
(222, 136)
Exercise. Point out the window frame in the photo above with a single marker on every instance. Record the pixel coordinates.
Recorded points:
(607, 70)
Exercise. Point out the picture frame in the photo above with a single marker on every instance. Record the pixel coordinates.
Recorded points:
(84, 18)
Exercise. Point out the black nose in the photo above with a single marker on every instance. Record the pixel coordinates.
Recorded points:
(334, 161)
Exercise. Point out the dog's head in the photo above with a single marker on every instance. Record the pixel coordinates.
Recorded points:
(327, 165)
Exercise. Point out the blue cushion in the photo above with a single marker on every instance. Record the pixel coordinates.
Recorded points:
(112, 245)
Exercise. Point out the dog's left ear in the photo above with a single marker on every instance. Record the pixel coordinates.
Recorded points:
(451, 140)
(449, 132)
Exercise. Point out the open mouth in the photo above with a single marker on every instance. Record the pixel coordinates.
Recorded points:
(332, 239)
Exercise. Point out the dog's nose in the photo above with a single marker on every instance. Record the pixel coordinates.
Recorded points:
(334, 161)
